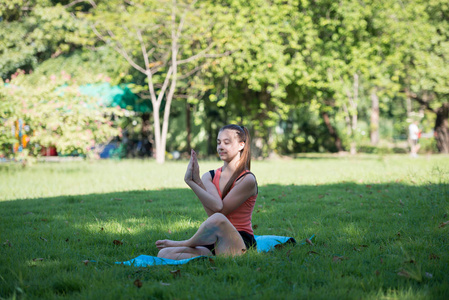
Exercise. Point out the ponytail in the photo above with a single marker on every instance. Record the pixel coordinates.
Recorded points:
(245, 155)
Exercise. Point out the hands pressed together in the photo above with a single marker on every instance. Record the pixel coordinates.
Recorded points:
(193, 170)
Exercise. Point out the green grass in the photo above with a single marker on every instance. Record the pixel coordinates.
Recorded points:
(374, 218)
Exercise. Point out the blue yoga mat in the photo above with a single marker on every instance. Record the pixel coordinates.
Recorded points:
(265, 243)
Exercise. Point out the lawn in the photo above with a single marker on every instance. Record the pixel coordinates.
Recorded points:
(379, 225)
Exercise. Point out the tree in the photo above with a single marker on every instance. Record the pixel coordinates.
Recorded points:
(249, 87)
(56, 115)
(427, 72)
(162, 40)
(34, 31)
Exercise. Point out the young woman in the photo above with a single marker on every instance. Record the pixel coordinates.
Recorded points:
(227, 194)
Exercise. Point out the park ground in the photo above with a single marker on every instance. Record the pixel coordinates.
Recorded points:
(381, 230)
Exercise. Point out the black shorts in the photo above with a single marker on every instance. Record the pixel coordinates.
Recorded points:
(248, 239)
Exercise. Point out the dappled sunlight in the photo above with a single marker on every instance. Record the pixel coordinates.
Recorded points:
(42, 262)
(353, 233)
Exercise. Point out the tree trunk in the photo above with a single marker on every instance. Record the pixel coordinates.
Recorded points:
(188, 125)
(332, 131)
(157, 131)
(442, 128)
(374, 126)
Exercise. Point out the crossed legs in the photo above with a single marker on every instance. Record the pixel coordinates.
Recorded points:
(215, 230)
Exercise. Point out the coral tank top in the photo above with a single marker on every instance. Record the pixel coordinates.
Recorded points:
(241, 216)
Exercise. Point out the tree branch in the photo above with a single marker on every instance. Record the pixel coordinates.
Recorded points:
(193, 71)
(420, 100)
(79, 1)
(203, 55)
(181, 23)
(118, 49)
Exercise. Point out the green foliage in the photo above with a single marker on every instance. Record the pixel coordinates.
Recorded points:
(33, 31)
(57, 114)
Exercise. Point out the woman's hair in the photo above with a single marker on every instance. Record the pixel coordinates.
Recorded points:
(245, 154)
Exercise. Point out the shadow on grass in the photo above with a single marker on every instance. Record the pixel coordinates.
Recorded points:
(374, 226)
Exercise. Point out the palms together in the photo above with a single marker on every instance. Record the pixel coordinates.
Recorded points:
(193, 169)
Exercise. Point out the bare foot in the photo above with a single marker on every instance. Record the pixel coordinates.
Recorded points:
(161, 244)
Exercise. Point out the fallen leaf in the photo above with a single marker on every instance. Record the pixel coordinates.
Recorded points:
(149, 200)
(313, 252)
(377, 273)
(316, 223)
(138, 283)
(38, 259)
(85, 262)
(44, 220)
(279, 246)
(7, 243)
(258, 270)
(176, 273)
(337, 259)
(443, 224)
(433, 256)
(381, 261)
(309, 242)
(212, 261)
(369, 186)
(320, 196)
(404, 273)
(401, 203)
(117, 242)
(255, 226)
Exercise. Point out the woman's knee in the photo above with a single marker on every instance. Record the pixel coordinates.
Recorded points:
(166, 253)
(218, 218)
(217, 222)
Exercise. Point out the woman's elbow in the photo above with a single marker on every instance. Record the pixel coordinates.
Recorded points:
(218, 208)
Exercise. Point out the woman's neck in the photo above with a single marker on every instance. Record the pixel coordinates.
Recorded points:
(231, 166)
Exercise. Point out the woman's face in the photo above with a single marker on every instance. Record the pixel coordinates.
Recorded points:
(228, 145)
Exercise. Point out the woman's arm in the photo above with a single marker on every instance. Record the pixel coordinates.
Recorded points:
(209, 197)
(193, 180)
(207, 193)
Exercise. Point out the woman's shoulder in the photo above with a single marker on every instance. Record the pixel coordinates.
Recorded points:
(247, 176)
